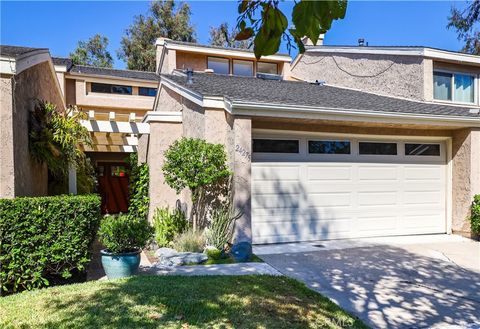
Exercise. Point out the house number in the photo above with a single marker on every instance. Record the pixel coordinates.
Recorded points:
(240, 150)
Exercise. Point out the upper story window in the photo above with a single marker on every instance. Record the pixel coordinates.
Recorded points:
(243, 68)
(455, 87)
(219, 65)
(145, 91)
(264, 67)
(111, 89)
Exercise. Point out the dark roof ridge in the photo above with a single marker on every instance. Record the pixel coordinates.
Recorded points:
(112, 68)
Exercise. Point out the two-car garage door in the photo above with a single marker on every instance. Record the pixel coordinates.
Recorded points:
(309, 188)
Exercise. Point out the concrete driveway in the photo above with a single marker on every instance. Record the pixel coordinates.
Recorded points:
(408, 282)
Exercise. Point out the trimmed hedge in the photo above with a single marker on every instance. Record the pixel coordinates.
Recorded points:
(475, 218)
(45, 240)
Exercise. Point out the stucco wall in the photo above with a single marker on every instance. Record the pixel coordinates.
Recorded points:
(7, 173)
(37, 82)
(466, 177)
(401, 76)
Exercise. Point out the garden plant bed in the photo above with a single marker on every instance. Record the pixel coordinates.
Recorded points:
(228, 260)
(176, 302)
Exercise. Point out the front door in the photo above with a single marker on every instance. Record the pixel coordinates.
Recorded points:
(113, 187)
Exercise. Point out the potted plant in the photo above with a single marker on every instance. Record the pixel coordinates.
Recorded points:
(123, 238)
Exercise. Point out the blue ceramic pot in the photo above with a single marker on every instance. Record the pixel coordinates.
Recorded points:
(120, 265)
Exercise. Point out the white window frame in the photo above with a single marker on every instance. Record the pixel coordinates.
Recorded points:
(453, 101)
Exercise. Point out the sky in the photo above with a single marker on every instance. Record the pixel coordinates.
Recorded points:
(59, 25)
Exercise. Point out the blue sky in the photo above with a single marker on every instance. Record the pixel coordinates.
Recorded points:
(59, 25)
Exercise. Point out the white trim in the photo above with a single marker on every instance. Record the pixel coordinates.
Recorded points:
(162, 116)
(7, 65)
(33, 58)
(182, 91)
(399, 51)
(449, 195)
(116, 126)
(60, 68)
(288, 111)
(218, 52)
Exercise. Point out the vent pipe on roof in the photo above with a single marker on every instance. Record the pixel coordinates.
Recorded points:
(189, 76)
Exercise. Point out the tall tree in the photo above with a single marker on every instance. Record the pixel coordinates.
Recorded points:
(162, 20)
(93, 52)
(265, 22)
(465, 22)
(222, 36)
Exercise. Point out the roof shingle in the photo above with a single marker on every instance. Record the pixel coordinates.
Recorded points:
(250, 89)
(16, 51)
(128, 74)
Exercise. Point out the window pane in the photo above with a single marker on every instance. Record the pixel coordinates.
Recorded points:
(117, 89)
(464, 88)
(243, 68)
(275, 146)
(219, 65)
(422, 149)
(442, 86)
(144, 91)
(270, 68)
(378, 148)
(101, 88)
(329, 147)
(118, 171)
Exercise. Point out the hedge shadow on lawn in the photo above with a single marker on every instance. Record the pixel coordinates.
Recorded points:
(155, 301)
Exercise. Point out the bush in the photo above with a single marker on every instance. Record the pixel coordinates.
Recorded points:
(190, 240)
(222, 221)
(123, 233)
(475, 218)
(139, 181)
(197, 165)
(45, 240)
(168, 224)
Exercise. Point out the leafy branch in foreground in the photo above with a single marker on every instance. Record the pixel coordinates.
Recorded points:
(263, 21)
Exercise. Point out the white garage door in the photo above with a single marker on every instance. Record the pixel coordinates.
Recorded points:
(310, 188)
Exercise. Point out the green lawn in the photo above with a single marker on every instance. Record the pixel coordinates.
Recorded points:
(176, 302)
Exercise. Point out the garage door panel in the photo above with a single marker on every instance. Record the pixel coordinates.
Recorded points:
(358, 197)
(329, 173)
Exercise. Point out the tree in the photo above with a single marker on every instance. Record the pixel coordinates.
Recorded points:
(198, 166)
(93, 52)
(222, 36)
(311, 18)
(465, 22)
(162, 20)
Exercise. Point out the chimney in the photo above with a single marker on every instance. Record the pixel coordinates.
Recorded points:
(307, 42)
(361, 42)
(189, 76)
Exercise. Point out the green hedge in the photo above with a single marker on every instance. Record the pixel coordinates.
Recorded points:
(45, 240)
(475, 218)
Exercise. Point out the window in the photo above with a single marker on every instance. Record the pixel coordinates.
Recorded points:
(275, 146)
(374, 148)
(422, 149)
(118, 171)
(243, 68)
(329, 147)
(144, 91)
(111, 89)
(454, 87)
(264, 67)
(219, 65)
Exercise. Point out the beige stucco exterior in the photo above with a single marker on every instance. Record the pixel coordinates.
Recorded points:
(21, 176)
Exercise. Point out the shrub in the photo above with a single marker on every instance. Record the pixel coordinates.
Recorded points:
(139, 181)
(44, 240)
(123, 233)
(190, 240)
(475, 218)
(222, 222)
(197, 165)
(168, 224)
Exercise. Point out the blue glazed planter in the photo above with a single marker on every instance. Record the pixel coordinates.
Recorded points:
(120, 265)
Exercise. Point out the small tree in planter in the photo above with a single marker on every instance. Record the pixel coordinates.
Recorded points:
(475, 217)
(124, 237)
(199, 166)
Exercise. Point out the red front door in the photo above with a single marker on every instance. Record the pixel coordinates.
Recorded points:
(113, 187)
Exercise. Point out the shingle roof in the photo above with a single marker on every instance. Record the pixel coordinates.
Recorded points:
(62, 61)
(16, 51)
(250, 89)
(129, 74)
